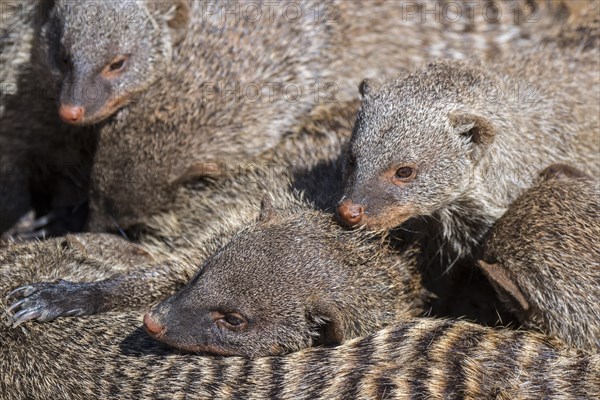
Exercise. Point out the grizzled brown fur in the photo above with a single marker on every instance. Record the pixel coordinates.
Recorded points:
(543, 257)
(181, 239)
(109, 355)
(220, 127)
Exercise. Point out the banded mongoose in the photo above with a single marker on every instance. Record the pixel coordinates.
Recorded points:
(543, 257)
(292, 280)
(456, 142)
(211, 83)
(241, 105)
(199, 223)
(148, 149)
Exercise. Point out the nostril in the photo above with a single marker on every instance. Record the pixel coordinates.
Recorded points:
(153, 327)
(351, 213)
(71, 114)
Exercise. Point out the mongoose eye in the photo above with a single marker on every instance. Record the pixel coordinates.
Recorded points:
(115, 67)
(63, 58)
(232, 321)
(405, 173)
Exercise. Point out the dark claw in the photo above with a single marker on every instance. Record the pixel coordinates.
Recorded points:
(26, 315)
(27, 291)
(46, 301)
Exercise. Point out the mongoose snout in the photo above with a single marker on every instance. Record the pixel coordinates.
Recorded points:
(71, 114)
(351, 213)
(153, 328)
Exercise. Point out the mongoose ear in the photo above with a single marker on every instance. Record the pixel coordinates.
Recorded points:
(197, 170)
(180, 21)
(478, 129)
(267, 211)
(498, 276)
(367, 87)
(329, 323)
(177, 15)
(562, 172)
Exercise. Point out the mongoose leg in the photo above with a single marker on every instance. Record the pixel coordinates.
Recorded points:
(45, 301)
(83, 274)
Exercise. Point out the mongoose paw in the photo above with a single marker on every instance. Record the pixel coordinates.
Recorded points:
(46, 301)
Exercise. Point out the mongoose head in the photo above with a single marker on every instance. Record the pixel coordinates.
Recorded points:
(414, 145)
(100, 55)
(287, 283)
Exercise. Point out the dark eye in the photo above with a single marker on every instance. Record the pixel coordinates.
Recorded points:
(405, 173)
(233, 321)
(63, 58)
(117, 65)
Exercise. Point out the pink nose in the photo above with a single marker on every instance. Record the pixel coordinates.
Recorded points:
(153, 327)
(350, 213)
(71, 114)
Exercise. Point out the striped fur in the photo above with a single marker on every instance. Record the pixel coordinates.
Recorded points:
(109, 356)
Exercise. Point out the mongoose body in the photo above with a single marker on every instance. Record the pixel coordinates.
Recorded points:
(226, 123)
(457, 142)
(293, 279)
(544, 259)
(173, 86)
(15, 46)
(110, 356)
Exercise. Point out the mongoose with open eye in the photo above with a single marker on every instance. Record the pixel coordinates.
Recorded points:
(170, 86)
(543, 257)
(456, 142)
(241, 105)
(294, 279)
